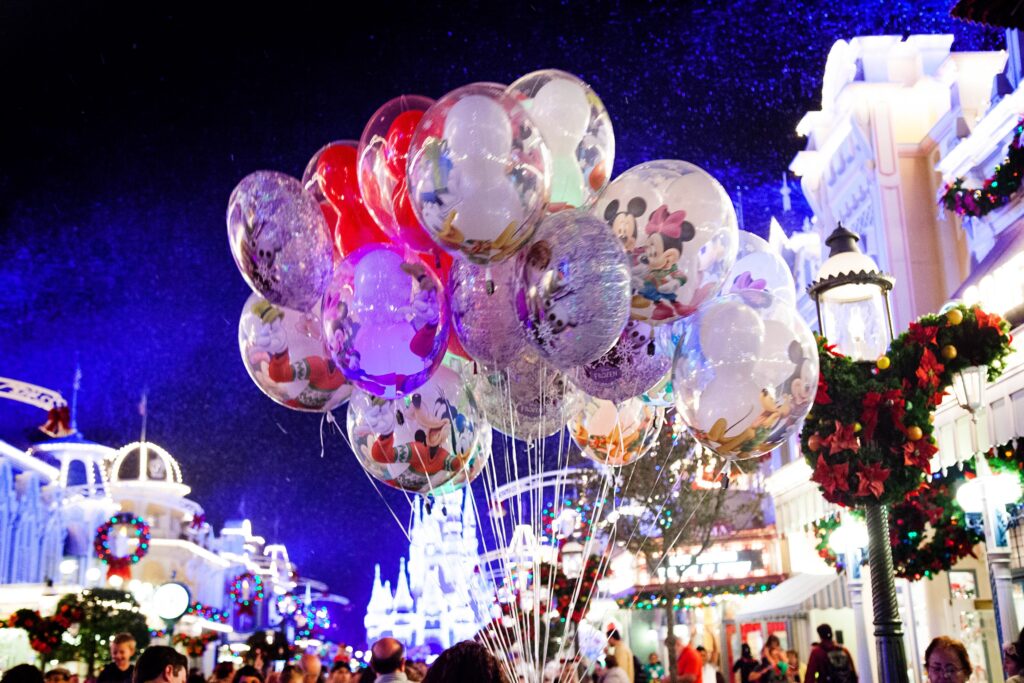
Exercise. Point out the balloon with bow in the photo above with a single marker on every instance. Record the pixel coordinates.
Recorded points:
(385, 321)
(572, 120)
(679, 227)
(615, 434)
(421, 441)
(332, 177)
(760, 275)
(572, 294)
(279, 239)
(383, 158)
(284, 353)
(478, 173)
(744, 378)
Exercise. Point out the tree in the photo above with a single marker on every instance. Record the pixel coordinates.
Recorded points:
(104, 613)
(678, 496)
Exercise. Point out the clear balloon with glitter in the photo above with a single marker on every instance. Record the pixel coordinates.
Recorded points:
(482, 300)
(572, 295)
(279, 239)
(629, 369)
(528, 400)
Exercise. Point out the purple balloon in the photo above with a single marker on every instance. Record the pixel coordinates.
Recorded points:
(629, 369)
(572, 295)
(385, 321)
(279, 239)
(483, 311)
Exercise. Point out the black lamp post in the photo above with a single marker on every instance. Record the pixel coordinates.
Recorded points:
(852, 298)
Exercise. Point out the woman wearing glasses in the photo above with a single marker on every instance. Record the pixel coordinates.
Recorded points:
(946, 660)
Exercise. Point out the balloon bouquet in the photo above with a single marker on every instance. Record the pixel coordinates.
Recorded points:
(467, 264)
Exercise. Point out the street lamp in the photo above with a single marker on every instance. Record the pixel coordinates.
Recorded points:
(986, 494)
(851, 295)
(852, 298)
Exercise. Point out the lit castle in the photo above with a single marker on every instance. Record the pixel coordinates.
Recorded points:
(439, 601)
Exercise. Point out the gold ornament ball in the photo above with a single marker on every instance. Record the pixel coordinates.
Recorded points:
(814, 443)
(949, 352)
(914, 433)
(857, 427)
(955, 316)
(883, 363)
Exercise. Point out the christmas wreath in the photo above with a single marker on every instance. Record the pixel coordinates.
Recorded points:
(929, 531)
(246, 599)
(121, 565)
(195, 646)
(868, 436)
(997, 190)
(45, 633)
(209, 613)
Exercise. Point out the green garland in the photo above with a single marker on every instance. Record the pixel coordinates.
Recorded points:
(646, 600)
(823, 529)
(868, 436)
(996, 191)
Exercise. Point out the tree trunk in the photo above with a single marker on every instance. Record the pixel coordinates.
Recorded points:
(670, 642)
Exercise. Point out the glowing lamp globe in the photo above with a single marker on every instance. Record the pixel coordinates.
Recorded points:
(171, 600)
(995, 489)
(852, 534)
(852, 297)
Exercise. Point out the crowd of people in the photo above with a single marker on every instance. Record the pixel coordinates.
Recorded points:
(946, 659)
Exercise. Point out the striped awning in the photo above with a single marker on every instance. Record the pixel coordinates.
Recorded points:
(798, 593)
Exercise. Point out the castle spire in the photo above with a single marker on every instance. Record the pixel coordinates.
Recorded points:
(377, 603)
(403, 598)
(787, 203)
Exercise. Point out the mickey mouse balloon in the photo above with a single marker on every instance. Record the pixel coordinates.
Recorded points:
(679, 228)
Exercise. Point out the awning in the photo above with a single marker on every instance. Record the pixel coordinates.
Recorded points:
(798, 593)
(998, 13)
(997, 281)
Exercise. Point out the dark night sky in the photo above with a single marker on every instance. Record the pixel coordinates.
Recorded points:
(126, 125)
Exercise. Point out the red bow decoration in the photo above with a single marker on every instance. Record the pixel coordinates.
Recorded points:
(662, 222)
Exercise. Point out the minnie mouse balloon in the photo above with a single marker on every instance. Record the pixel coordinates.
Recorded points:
(420, 442)
(279, 239)
(284, 353)
(578, 132)
(385, 321)
(478, 173)
(679, 227)
(383, 157)
(572, 296)
(332, 177)
(629, 369)
(483, 311)
(616, 434)
(738, 398)
(528, 400)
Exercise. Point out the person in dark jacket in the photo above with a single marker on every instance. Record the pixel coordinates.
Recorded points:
(120, 669)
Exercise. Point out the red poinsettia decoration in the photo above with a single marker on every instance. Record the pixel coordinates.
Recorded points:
(844, 438)
(992, 320)
(929, 373)
(832, 477)
(923, 334)
(822, 398)
(871, 480)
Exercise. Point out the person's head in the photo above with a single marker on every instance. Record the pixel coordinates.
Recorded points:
(161, 664)
(57, 675)
(311, 666)
(771, 643)
(745, 651)
(793, 657)
(340, 673)
(122, 649)
(290, 674)
(946, 659)
(224, 670)
(465, 661)
(387, 656)
(703, 653)
(23, 673)
(248, 674)
(653, 658)
(825, 633)
(610, 661)
(1011, 663)
(614, 636)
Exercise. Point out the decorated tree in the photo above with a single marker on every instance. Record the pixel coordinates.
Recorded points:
(104, 613)
(679, 497)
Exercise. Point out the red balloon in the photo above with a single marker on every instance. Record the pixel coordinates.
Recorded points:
(351, 224)
(399, 138)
